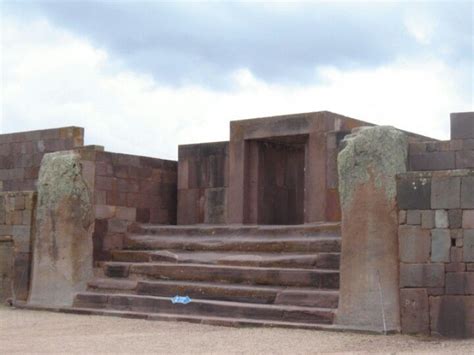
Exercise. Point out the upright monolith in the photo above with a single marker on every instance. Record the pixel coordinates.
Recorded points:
(367, 167)
(62, 246)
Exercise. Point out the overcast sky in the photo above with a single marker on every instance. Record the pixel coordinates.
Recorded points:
(143, 77)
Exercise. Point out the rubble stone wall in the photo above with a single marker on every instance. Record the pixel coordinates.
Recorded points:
(16, 217)
(21, 154)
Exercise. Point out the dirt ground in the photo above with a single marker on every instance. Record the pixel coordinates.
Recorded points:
(23, 331)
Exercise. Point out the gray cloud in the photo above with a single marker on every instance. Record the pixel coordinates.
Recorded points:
(182, 43)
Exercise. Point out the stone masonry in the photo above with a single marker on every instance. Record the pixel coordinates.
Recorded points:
(16, 218)
(436, 234)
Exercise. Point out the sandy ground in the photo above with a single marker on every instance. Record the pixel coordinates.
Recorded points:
(23, 331)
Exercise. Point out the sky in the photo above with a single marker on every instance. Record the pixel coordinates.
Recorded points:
(145, 76)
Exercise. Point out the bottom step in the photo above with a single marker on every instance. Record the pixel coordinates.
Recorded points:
(215, 321)
(204, 308)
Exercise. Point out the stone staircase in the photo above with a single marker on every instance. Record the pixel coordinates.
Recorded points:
(245, 275)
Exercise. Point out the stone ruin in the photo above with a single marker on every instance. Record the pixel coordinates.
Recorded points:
(314, 221)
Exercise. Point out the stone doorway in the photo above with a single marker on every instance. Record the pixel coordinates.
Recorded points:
(276, 185)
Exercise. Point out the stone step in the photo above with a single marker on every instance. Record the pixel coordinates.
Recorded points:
(224, 292)
(322, 244)
(317, 278)
(197, 307)
(208, 320)
(315, 260)
(309, 230)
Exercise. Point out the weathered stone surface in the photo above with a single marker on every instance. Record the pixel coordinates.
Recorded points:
(413, 217)
(462, 125)
(367, 168)
(414, 308)
(415, 244)
(445, 192)
(441, 219)
(440, 245)
(452, 316)
(468, 245)
(422, 275)
(467, 192)
(6, 268)
(468, 219)
(427, 219)
(455, 219)
(62, 262)
(414, 193)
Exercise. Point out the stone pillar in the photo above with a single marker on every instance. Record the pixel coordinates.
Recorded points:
(62, 246)
(369, 285)
(6, 268)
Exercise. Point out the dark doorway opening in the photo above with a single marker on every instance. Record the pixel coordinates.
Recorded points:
(277, 179)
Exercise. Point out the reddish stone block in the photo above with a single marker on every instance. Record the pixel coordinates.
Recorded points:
(468, 219)
(414, 311)
(333, 207)
(414, 244)
(456, 267)
(143, 215)
(105, 183)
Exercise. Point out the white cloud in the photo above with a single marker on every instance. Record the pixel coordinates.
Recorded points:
(52, 78)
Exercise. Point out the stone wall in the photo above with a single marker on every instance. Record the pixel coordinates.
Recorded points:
(16, 217)
(202, 183)
(129, 189)
(21, 154)
(436, 243)
(457, 153)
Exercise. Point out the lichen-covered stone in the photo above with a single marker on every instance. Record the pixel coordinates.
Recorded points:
(62, 262)
(368, 165)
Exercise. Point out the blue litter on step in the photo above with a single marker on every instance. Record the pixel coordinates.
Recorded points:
(181, 299)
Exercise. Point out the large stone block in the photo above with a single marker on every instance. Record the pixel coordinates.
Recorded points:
(467, 192)
(462, 125)
(367, 170)
(452, 316)
(465, 159)
(468, 219)
(468, 245)
(414, 193)
(433, 161)
(440, 245)
(414, 309)
(415, 244)
(62, 262)
(422, 275)
(445, 192)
